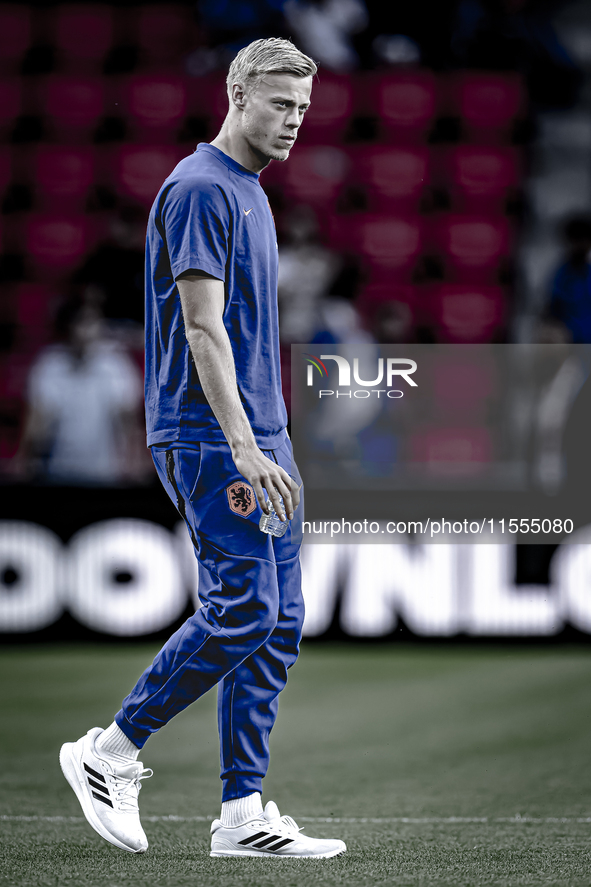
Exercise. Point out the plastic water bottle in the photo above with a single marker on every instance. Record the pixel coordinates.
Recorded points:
(270, 523)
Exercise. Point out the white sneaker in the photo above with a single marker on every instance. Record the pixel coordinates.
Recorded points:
(270, 834)
(107, 792)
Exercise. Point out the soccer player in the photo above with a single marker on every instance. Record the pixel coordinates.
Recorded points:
(217, 430)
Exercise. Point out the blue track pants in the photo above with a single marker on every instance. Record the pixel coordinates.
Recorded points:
(247, 633)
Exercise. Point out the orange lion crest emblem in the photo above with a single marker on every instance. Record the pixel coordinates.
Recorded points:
(241, 498)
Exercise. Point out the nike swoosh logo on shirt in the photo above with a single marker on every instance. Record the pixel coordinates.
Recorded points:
(247, 211)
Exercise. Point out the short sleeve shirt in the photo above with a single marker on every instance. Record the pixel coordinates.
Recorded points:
(212, 215)
(84, 402)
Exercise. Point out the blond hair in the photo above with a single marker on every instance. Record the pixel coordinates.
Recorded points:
(272, 55)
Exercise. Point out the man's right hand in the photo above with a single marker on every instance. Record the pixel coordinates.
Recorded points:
(263, 474)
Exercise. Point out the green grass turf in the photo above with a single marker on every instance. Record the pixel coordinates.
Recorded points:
(426, 734)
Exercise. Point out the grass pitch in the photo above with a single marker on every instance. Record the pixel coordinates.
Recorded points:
(443, 765)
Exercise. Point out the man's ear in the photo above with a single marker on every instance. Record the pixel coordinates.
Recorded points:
(238, 95)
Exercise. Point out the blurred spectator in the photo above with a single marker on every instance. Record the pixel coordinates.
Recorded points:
(324, 27)
(116, 268)
(244, 16)
(307, 270)
(553, 78)
(316, 287)
(406, 33)
(339, 323)
(517, 35)
(84, 395)
(570, 301)
(396, 49)
(230, 25)
(482, 35)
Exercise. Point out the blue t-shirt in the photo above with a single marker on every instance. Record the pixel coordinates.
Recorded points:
(212, 215)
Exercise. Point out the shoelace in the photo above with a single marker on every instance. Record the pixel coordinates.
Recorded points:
(126, 791)
(286, 821)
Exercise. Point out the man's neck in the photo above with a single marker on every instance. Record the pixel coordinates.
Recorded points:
(234, 146)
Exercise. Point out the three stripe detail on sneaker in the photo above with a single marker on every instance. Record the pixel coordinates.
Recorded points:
(101, 785)
(267, 841)
(97, 781)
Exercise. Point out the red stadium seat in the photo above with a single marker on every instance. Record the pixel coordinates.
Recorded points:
(63, 175)
(390, 245)
(156, 106)
(488, 104)
(15, 34)
(164, 33)
(393, 175)
(389, 241)
(315, 174)
(33, 304)
(482, 176)
(11, 100)
(465, 313)
(56, 243)
(83, 34)
(330, 110)
(74, 105)
(406, 103)
(139, 170)
(473, 245)
(207, 97)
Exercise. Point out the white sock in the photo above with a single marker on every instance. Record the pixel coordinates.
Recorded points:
(113, 743)
(241, 810)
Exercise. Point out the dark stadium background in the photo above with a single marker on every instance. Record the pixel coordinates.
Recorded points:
(429, 122)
